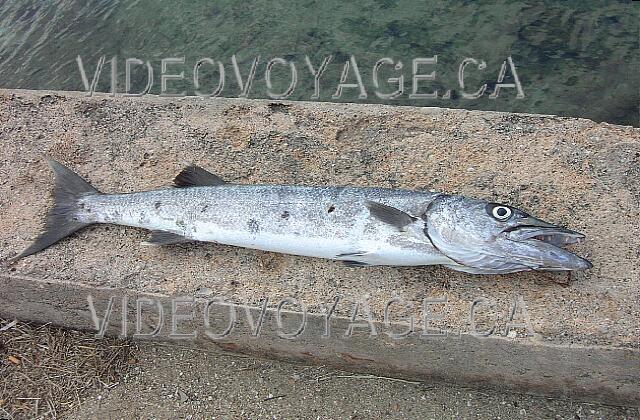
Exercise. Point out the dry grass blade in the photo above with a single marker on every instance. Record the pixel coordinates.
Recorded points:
(45, 371)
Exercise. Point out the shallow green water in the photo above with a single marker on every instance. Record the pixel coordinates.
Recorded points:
(573, 58)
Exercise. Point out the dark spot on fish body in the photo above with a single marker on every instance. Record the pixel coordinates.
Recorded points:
(85, 207)
(331, 209)
(285, 214)
(253, 226)
(112, 216)
(144, 218)
(157, 205)
(204, 208)
(181, 223)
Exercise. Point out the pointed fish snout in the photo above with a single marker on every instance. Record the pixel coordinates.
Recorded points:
(566, 260)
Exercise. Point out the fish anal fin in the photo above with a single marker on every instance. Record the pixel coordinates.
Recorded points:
(159, 238)
(352, 259)
(352, 254)
(195, 176)
(390, 215)
(350, 263)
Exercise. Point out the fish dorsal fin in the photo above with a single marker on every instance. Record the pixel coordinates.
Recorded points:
(390, 215)
(195, 176)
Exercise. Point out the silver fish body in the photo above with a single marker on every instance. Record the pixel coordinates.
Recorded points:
(324, 222)
(359, 226)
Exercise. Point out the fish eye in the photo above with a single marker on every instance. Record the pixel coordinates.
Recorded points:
(501, 212)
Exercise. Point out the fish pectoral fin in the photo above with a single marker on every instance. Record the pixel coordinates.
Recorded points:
(195, 176)
(390, 215)
(159, 237)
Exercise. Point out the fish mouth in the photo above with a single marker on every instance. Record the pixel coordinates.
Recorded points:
(544, 244)
(555, 236)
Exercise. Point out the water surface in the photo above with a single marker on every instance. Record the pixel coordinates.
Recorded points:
(573, 58)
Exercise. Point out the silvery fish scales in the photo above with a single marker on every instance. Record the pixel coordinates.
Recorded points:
(358, 226)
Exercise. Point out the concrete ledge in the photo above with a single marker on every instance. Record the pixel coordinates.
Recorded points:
(581, 340)
(598, 374)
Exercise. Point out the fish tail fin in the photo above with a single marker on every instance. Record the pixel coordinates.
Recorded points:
(62, 220)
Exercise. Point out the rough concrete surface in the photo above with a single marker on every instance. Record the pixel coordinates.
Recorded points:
(573, 172)
(583, 373)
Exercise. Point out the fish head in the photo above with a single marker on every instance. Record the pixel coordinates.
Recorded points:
(494, 238)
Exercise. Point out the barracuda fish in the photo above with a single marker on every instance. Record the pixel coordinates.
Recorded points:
(358, 226)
